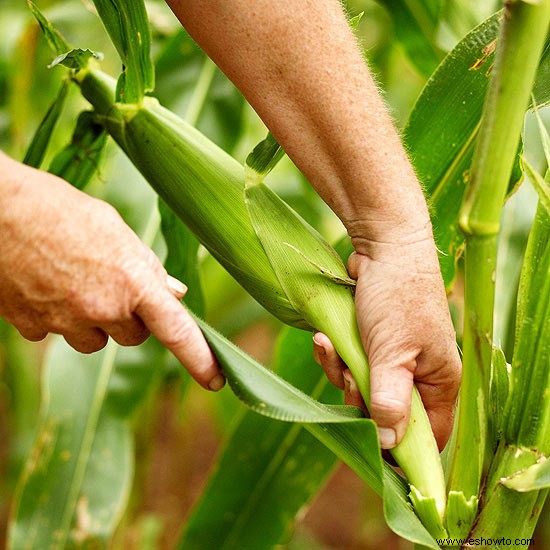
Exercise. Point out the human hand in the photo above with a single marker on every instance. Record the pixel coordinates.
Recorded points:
(70, 265)
(407, 333)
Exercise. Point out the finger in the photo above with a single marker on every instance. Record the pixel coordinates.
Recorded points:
(131, 332)
(176, 287)
(354, 263)
(34, 334)
(439, 395)
(352, 395)
(441, 420)
(170, 322)
(390, 396)
(87, 340)
(325, 354)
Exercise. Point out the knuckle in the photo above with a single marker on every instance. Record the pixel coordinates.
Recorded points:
(387, 408)
(88, 344)
(109, 212)
(131, 338)
(97, 312)
(88, 347)
(182, 335)
(31, 333)
(394, 360)
(153, 262)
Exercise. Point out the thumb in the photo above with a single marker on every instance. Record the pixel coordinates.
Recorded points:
(390, 398)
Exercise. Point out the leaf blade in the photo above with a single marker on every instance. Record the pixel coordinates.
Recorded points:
(268, 470)
(353, 438)
(41, 139)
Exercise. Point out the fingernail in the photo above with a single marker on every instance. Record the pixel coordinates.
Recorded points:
(176, 286)
(387, 437)
(349, 381)
(320, 347)
(217, 383)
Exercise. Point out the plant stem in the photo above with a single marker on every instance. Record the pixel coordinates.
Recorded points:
(467, 462)
(519, 47)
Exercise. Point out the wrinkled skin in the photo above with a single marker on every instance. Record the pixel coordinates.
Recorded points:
(408, 340)
(70, 265)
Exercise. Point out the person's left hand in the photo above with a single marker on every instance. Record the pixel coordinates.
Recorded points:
(408, 337)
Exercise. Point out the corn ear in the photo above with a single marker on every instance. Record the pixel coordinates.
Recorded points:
(200, 183)
(274, 254)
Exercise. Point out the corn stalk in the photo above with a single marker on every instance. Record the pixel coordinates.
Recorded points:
(519, 47)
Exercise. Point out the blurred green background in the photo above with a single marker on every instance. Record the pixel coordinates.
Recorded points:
(179, 427)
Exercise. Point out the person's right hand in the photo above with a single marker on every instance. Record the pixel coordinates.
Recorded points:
(70, 265)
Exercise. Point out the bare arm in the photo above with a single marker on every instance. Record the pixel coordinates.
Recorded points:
(298, 64)
(300, 68)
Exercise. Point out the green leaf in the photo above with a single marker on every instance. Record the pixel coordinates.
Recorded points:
(354, 21)
(543, 132)
(342, 429)
(533, 478)
(498, 394)
(128, 27)
(39, 144)
(461, 514)
(540, 88)
(528, 416)
(76, 482)
(268, 469)
(264, 157)
(79, 161)
(542, 187)
(416, 24)
(56, 42)
(442, 129)
(75, 58)
(427, 510)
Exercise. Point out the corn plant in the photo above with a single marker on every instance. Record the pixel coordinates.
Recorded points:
(495, 478)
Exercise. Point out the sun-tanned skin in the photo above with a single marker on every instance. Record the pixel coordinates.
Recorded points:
(70, 265)
(299, 66)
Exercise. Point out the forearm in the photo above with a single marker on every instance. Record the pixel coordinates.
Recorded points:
(287, 59)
